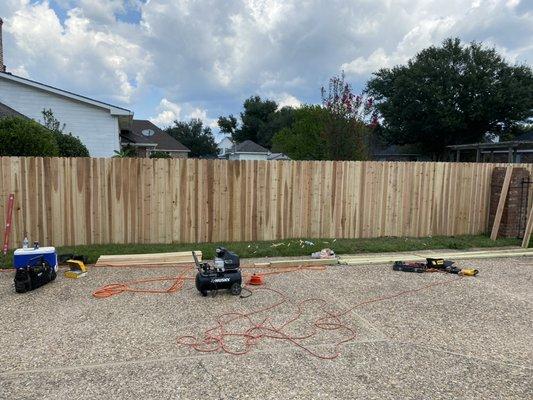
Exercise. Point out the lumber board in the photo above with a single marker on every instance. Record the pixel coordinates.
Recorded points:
(501, 203)
(184, 257)
(417, 257)
(529, 229)
(296, 263)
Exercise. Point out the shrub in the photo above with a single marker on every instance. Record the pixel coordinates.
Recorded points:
(69, 146)
(125, 152)
(159, 154)
(24, 137)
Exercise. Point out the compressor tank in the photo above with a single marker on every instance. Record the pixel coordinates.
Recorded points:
(225, 273)
(231, 280)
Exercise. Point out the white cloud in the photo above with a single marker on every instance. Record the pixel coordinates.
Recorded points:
(75, 54)
(168, 112)
(211, 55)
(364, 65)
(286, 99)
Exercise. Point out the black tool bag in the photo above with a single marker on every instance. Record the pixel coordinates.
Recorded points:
(34, 276)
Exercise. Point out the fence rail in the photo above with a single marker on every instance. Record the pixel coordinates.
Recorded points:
(66, 201)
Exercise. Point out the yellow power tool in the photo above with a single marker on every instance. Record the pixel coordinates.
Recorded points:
(468, 272)
(77, 269)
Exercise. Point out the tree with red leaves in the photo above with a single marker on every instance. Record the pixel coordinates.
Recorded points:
(351, 120)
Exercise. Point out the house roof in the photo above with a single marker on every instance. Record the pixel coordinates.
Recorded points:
(492, 145)
(249, 147)
(278, 156)
(114, 110)
(6, 111)
(141, 134)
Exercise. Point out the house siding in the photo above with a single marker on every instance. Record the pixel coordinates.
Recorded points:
(96, 127)
(248, 156)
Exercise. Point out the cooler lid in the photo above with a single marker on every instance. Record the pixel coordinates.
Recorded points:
(31, 251)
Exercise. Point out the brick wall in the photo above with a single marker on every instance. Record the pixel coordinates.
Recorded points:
(514, 214)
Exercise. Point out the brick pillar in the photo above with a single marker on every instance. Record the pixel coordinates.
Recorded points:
(514, 215)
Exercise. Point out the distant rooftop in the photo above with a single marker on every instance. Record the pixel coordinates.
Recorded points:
(249, 146)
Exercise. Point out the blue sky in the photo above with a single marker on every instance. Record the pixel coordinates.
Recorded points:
(177, 59)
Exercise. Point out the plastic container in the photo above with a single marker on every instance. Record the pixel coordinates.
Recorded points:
(24, 257)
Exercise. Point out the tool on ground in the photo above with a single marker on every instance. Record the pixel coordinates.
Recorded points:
(447, 265)
(224, 273)
(432, 265)
(35, 267)
(256, 280)
(64, 258)
(77, 269)
(409, 267)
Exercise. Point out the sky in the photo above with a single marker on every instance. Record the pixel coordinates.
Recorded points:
(182, 59)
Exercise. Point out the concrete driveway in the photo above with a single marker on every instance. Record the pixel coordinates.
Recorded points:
(468, 339)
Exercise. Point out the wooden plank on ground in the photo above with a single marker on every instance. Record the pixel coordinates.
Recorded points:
(529, 229)
(296, 263)
(183, 257)
(501, 203)
(369, 259)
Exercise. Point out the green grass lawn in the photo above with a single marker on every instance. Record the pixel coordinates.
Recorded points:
(291, 247)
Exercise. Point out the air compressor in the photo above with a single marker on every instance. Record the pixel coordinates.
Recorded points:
(224, 273)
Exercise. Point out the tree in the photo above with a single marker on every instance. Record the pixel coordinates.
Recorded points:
(304, 139)
(452, 94)
(350, 119)
(69, 146)
(195, 136)
(24, 137)
(260, 120)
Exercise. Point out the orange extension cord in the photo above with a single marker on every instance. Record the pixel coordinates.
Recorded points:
(178, 281)
(218, 337)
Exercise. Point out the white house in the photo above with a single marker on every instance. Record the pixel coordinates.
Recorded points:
(97, 124)
(248, 150)
(224, 146)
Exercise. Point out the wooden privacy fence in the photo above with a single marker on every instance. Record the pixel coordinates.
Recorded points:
(66, 201)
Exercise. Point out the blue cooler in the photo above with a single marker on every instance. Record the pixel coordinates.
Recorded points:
(23, 258)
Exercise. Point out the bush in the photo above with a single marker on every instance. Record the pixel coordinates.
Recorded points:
(24, 137)
(126, 152)
(70, 146)
(159, 154)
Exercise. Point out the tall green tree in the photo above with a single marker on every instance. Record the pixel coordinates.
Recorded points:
(452, 94)
(198, 138)
(260, 120)
(304, 139)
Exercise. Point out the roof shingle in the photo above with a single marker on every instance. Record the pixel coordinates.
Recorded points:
(6, 111)
(163, 140)
(249, 147)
